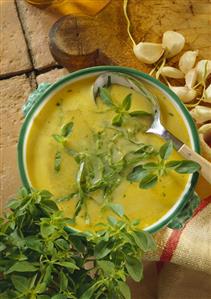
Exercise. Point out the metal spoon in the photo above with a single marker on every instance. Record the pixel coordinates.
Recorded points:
(109, 78)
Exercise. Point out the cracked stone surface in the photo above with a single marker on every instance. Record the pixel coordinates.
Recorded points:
(13, 59)
(37, 23)
(14, 92)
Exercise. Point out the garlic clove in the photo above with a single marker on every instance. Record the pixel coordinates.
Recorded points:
(173, 42)
(187, 61)
(207, 97)
(205, 140)
(203, 68)
(201, 114)
(172, 72)
(190, 78)
(185, 94)
(148, 52)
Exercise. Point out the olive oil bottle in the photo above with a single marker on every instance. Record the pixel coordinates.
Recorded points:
(76, 7)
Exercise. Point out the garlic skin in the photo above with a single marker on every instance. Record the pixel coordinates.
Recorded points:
(207, 98)
(201, 67)
(187, 61)
(201, 114)
(173, 42)
(171, 72)
(148, 53)
(185, 94)
(205, 139)
(190, 78)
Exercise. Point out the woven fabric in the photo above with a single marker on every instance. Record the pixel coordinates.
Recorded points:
(181, 267)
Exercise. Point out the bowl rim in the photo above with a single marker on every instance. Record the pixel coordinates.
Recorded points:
(96, 69)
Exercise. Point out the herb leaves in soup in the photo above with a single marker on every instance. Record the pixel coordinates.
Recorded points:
(99, 156)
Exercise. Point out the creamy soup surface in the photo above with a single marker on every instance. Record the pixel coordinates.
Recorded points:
(93, 134)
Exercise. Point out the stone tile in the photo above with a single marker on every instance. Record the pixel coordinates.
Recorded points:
(52, 76)
(14, 92)
(13, 59)
(37, 23)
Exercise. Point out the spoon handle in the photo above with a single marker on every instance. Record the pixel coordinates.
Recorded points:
(189, 154)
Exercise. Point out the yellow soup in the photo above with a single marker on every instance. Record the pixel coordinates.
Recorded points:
(88, 149)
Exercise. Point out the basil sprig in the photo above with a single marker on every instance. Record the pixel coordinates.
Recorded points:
(40, 259)
(149, 173)
(62, 138)
(123, 110)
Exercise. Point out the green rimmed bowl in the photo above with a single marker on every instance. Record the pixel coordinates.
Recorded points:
(183, 209)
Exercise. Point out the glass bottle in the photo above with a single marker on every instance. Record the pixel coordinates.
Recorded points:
(75, 7)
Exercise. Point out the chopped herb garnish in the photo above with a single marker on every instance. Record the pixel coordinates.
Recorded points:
(65, 132)
(148, 174)
(57, 161)
(122, 110)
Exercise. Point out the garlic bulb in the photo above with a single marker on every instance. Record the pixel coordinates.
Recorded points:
(187, 61)
(184, 93)
(190, 78)
(207, 97)
(148, 52)
(171, 72)
(201, 114)
(205, 140)
(173, 42)
(203, 68)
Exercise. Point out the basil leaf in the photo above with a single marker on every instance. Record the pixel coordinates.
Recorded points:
(145, 148)
(88, 294)
(140, 113)
(49, 206)
(66, 130)
(112, 220)
(151, 166)
(137, 174)
(107, 266)
(134, 268)
(63, 281)
(106, 97)
(68, 265)
(126, 104)
(143, 240)
(40, 288)
(116, 208)
(62, 244)
(46, 229)
(48, 277)
(20, 283)
(187, 166)
(124, 289)
(117, 120)
(22, 267)
(102, 249)
(34, 244)
(57, 161)
(173, 164)
(166, 150)
(148, 181)
(59, 138)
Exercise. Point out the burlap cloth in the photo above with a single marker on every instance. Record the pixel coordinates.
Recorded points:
(181, 267)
